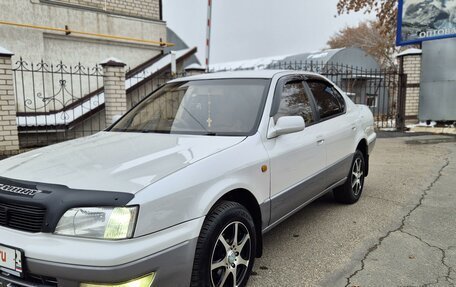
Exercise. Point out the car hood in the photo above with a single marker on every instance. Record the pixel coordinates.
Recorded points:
(111, 161)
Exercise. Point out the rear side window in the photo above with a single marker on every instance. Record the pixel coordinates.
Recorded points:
(329, 101)
(294, 101)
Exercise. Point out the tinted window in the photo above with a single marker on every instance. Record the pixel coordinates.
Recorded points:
(209, 107)
(295, 102)
(329, 101)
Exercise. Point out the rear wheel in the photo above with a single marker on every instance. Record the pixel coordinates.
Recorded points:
(225, 251)
(351, 190)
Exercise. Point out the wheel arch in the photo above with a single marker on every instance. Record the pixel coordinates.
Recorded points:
(248, 200)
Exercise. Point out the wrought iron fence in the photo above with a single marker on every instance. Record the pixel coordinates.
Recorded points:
(382, 90)
(57, 102)
(61, 102)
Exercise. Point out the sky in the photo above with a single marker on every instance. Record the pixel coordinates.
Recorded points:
(246, 29)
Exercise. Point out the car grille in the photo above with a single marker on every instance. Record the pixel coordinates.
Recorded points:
(29, 280)
(22, 217)
(43, 280)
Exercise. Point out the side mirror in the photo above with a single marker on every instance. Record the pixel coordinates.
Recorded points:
(285, 125)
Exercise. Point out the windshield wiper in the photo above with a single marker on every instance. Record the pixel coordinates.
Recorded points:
(177, 132)
(155, 131)
(208, 134)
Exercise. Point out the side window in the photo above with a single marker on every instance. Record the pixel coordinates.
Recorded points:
(329, 101)
(294, 101)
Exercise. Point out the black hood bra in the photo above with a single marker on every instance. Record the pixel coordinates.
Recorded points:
(38, 207)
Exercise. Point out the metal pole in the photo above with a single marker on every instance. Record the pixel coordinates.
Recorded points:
(208, 33)
(67, 31)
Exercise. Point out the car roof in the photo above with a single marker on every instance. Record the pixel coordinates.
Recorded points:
(257, 74)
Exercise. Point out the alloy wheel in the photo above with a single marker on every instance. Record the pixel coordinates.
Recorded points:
(357, 178)
(231, 256)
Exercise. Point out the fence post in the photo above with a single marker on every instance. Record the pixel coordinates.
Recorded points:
(195, 69)
(115, 94)
(410, 64)
(9, 138)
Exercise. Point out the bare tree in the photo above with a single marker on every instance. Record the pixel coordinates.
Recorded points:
(385, 10)
(386, 13)
(368, 37)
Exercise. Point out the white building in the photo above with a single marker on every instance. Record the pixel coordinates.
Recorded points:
(138, 19)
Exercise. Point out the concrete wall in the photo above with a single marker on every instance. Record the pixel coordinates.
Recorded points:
(34, 45)
(148, 9)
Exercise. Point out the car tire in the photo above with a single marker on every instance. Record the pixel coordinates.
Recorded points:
(351, 190)
(218, 258)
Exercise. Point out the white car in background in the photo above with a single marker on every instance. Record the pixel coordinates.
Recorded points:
(181, 189)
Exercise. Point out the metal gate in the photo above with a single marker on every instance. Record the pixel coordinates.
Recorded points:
(60, 102)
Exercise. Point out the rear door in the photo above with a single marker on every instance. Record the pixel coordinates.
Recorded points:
(295, 159)
(338, 129)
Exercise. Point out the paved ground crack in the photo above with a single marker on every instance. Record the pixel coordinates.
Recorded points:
(401, 227)
(447, 276)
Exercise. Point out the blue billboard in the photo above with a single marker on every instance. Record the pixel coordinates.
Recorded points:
(423, 20)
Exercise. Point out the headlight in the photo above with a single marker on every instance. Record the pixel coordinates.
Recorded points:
(98, 222)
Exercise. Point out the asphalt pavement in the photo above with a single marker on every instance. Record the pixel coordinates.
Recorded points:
(402, 232)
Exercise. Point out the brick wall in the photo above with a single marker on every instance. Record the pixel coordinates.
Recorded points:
(9, 141)
(149, 9)
(412, 67)
(114, 90)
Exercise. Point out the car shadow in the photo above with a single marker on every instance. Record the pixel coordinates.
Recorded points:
(306, 216)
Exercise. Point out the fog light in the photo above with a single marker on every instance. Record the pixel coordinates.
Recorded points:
(145, 281)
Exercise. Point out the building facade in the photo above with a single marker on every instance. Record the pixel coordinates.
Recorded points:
(146, 9)
(26, 30)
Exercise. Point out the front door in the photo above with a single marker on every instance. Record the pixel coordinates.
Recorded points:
(295, 159)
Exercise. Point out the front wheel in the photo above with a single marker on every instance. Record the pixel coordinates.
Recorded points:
(351, 190)
(225, 251)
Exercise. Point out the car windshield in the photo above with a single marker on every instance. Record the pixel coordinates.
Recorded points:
(205, 107)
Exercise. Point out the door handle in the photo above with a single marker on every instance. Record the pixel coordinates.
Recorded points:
(320, 142)
(354, 128)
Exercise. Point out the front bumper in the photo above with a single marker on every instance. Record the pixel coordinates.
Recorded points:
(177, 260)
(65, 261)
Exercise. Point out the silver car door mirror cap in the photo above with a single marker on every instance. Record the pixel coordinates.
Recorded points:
(285, 125)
